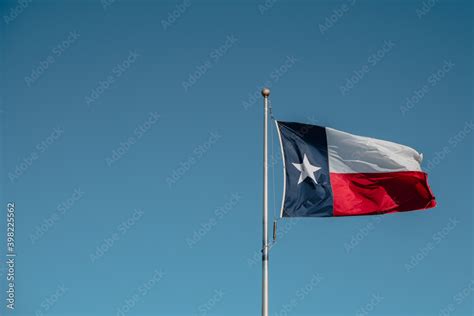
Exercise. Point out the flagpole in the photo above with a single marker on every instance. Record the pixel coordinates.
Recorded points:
(265, 94)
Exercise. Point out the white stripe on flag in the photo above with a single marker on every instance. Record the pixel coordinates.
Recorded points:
(357, 154)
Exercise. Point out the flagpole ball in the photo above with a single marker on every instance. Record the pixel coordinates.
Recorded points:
(265, 92)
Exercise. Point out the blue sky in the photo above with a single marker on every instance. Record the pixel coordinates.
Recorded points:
(131, 144)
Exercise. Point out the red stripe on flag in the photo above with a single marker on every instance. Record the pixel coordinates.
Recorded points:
(376, 193)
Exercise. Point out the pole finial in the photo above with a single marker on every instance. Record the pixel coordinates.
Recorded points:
(265, 92)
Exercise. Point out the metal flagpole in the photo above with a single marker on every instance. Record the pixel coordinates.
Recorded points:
(265, 246)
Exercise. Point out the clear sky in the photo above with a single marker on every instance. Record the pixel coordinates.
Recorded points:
(131, 144)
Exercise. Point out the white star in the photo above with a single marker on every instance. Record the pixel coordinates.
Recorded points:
(307, 169)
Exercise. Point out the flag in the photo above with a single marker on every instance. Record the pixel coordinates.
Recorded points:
(332, 173)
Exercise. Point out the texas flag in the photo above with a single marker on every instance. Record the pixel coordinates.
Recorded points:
(332, 173)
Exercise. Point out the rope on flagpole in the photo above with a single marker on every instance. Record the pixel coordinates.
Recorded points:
(275, 219)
